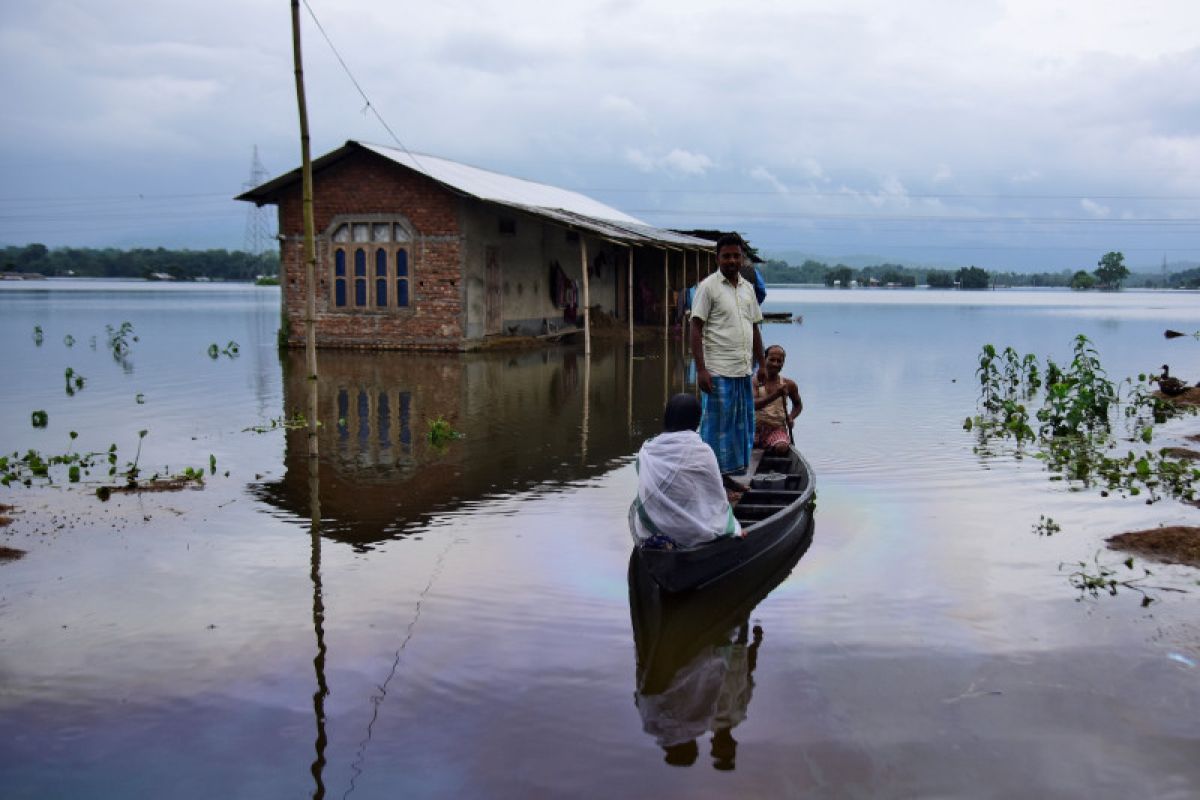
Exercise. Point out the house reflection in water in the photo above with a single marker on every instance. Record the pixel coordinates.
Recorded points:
(526, 418)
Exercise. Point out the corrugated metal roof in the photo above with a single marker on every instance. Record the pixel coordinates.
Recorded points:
(562, 205)
(488, 185)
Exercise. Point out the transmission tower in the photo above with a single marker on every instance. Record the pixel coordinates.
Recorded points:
(258, 218)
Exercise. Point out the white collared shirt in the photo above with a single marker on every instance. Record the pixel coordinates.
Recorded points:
(729, 313)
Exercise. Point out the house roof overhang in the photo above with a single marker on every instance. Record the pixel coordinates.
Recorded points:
(561, 206)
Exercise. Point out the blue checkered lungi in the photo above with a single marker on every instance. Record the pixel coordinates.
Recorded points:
(727, 424)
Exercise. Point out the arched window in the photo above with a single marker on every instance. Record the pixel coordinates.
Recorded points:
(402, 278)
(370, 265)
(339, 278)
(360, 277)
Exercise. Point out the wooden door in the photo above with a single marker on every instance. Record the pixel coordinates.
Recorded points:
(493, 296)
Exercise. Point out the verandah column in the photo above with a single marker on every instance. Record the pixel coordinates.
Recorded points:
(587, 300)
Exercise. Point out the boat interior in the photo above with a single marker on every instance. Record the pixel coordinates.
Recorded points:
(770, 484)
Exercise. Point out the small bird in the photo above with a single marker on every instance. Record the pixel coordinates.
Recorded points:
(1168, 385)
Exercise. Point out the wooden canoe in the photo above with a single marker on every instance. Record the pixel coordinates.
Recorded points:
(774, 512)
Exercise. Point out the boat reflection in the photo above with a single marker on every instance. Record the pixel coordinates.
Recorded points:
(530, 418)
(696, 655)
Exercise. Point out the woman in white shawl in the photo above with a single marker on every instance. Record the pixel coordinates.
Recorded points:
(681, 499)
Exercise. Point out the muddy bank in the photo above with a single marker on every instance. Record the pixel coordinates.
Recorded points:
(1188, 397)
(10, 554)
(1173, 544)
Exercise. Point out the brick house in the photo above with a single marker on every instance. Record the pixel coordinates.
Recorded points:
(419, 252)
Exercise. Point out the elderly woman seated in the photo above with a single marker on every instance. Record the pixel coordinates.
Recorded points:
(681, 500)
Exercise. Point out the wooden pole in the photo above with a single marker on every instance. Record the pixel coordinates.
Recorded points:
(587, 298)
(666, 291)
(310, 250)
(629, 299)
(587, 395)
(310, 351)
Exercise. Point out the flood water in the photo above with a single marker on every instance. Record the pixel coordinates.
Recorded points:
(467, 623)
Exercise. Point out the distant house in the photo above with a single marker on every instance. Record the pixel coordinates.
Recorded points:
(419, 252)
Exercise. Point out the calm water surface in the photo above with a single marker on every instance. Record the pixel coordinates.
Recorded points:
(467, 625)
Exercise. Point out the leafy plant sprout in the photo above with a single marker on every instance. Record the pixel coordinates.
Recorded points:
(74, 381)
(131, 474)
(1096, 578)
(441, 432)
(232, 350)
(1046, 526)
(1074, 436)
(294, 422)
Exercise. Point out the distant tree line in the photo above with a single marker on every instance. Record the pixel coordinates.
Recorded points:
(1110, 273)
(886, 274)
(181, 265)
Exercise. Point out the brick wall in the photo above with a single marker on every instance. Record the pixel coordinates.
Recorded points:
(365, 183)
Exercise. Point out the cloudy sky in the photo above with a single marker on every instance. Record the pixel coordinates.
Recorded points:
(1027, 134)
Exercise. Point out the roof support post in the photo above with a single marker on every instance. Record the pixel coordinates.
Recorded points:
(629, 296)
(587, 299)
(666, 300)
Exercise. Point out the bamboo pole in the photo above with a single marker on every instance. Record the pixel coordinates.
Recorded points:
(310, 351)
(310, 250)
(587, 298)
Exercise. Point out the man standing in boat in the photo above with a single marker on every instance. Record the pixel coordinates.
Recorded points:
(727, 344)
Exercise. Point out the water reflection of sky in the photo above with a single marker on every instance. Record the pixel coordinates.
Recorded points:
(476, 611)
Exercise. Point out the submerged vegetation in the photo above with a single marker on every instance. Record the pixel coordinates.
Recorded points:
(34, 467)
(1089, 430)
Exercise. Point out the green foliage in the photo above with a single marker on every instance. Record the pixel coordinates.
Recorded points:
(1095, 579)
(1111, 270)
(34, 466)
(1080, 397)
(1046, 526)
(1074, 435)
(894, 277)
(972, 278)
(839, 276)
(294, 422)
(441, 432)
(267, 280)
(939, 279)
(75, 382)
(232, 350)
(119, 339)
(112, 263)
(40, 419)
(38, 335)
(1083, 280)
